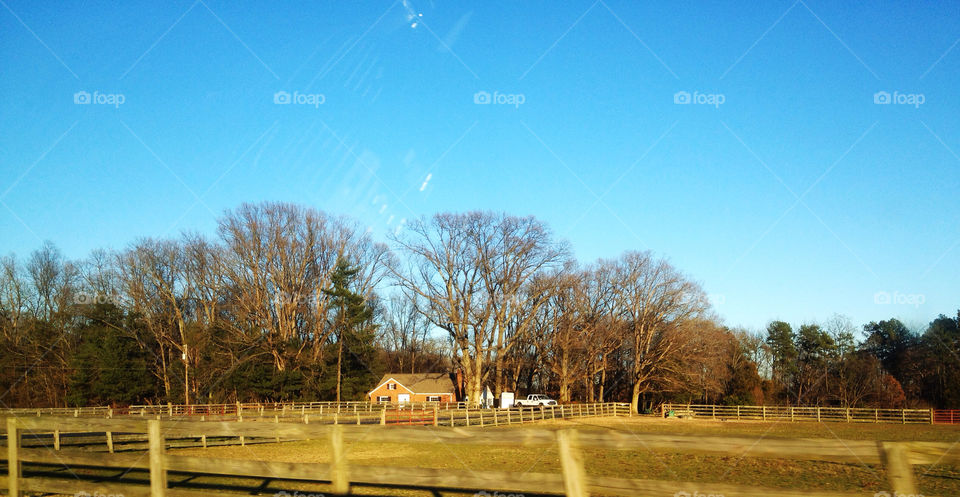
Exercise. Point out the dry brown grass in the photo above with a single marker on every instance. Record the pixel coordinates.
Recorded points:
(802, 475)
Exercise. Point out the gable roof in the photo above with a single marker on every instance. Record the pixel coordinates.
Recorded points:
(420, 382)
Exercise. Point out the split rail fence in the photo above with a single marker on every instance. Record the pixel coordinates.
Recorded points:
(455, 418)
(444, 414)
(234, 409)
(819, 414)
(159, 472)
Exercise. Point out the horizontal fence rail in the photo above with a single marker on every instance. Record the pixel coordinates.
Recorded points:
(101, 437)
(156, 463)
(818, 414)
(946, 416)
(233, 409)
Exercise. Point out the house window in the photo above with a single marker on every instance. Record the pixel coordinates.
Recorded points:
(433, 398)
(383, 398)
(391, 386)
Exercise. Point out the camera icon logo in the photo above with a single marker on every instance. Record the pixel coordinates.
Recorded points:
(882, 298)
(881, 98)
(482, 97)
(281, 97)
(81, 98)
(681, 97)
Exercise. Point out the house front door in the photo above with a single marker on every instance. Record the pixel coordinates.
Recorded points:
(403, 398)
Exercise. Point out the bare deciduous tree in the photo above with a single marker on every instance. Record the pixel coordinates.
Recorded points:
(655, 299)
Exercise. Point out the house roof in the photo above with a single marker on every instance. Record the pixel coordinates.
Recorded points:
(421, 382)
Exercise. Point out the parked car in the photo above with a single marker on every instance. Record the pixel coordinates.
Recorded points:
(535, 399)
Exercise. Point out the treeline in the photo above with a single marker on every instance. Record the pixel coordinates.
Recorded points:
(892, 366)
(288, 303)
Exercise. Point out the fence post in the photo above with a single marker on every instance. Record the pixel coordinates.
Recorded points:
(848, 415)
(13, 458)
(56, 439)
(383, 416)
(931, 416)
(896, 459)
(451, 418)
(791, 414)
(495, 422)
(903, 416)
(338, 470)
(110, 442)
(763, 410)
(571, 462)
(436, 412)
(158, 473)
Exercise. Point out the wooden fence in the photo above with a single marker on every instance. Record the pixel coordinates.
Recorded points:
(392, 415)
(157, 463)
(444, 414)
(233, 409)
(790, 413)
(946, 416)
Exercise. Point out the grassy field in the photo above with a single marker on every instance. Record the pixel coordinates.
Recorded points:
(808, 476)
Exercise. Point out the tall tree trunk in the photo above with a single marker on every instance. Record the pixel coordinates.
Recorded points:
(635, 397)
(339, 365)
(498, 378)
(186, 375)
(163, 372)
(603, 380)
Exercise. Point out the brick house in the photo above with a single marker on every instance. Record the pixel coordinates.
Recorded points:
(418, 387)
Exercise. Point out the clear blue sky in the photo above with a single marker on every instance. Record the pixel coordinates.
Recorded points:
(598, 148)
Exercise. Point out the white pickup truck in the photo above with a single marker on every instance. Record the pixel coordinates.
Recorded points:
(535, 399)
